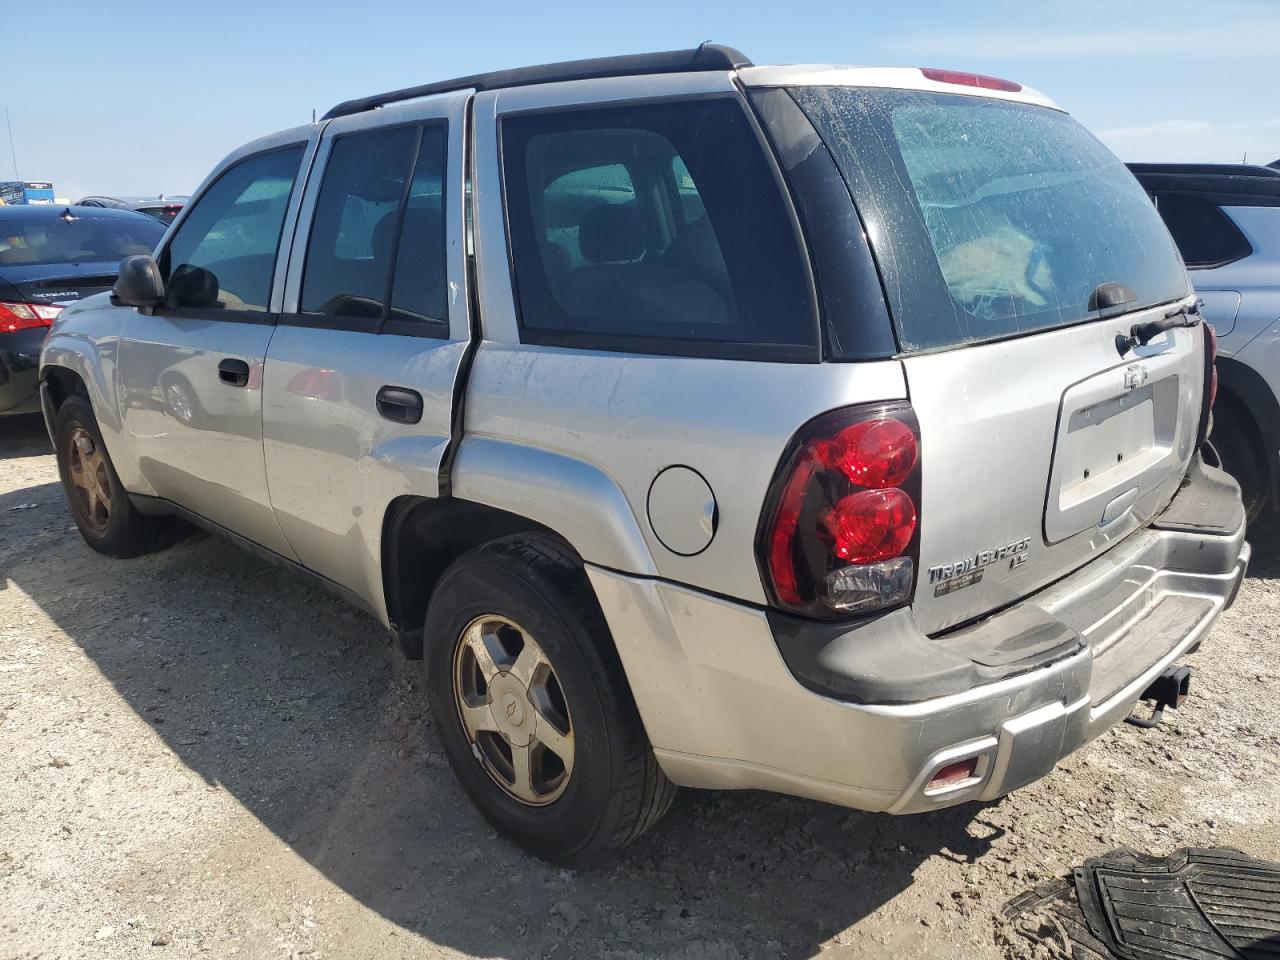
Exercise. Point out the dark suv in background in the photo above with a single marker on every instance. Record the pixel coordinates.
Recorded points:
(1225, 219)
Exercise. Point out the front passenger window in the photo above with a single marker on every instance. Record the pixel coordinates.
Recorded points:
(224, 253)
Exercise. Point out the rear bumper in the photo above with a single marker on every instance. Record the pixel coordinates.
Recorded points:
(724, 710)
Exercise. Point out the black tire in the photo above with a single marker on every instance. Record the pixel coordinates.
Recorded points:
(120, 531)
(1235, 438)
(615, 791)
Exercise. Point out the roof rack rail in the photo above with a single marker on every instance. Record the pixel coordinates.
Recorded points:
(1206, 169)
(708, 56)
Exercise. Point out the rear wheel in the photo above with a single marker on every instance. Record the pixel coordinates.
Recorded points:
(1236, 440)
(99, 505)
(532, 706)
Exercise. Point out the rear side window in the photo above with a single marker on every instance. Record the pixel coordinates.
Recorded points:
(376, 249)
(1205, 235)
(654, 228)
(224, 253)
(990, 219)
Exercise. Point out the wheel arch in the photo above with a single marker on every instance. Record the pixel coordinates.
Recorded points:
(1245, 389)
(421, 537)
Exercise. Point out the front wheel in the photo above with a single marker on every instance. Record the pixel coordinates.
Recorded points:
(99, 504)
(533, 707)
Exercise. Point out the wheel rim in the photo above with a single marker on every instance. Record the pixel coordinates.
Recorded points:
(513, 710)
(90, 481)
(179, 401)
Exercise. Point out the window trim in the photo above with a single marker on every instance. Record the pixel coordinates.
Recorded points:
(665, 346)
(1192, 195)
(265, 317)
(434, 328)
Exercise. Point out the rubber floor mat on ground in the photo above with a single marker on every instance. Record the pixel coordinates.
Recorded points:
(1197, 904)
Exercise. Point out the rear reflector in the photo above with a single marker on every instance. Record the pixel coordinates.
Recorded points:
(26, 316)
(954, 773)
(963, 79)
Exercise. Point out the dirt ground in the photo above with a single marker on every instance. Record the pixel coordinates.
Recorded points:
(201, 752)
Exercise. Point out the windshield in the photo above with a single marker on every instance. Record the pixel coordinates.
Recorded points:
(990, 218)
(74, 239)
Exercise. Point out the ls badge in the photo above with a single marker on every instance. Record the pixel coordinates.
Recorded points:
(950, 577)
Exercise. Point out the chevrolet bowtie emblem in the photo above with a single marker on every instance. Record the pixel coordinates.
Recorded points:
(1135, 375)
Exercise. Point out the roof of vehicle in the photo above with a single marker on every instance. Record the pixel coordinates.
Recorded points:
(51, 211)
(1240, 184)
(130, 203)
(706, 57)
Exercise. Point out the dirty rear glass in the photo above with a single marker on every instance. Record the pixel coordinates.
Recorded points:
(990, 219)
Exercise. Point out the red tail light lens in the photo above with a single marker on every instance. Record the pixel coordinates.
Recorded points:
(839, 535)
(870, 525)
(970, 79)
(26, 316)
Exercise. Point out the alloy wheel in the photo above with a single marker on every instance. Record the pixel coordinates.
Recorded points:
(90, 481)
(513, 710)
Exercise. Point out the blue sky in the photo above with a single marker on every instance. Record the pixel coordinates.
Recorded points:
(144, 97)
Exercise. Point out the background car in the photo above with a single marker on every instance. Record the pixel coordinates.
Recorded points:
(165, 209)
(51, 256)
(1225, 219)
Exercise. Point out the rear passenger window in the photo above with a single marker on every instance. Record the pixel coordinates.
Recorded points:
(378, 229)
(1204, 234)
(654, 229)
(418, 293)
(224, 253)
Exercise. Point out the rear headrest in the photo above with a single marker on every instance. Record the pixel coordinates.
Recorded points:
(611, 233)
(420, 223)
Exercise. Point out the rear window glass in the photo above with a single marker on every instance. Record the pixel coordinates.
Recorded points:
(75, 239)
(654, 229)
(990, 219)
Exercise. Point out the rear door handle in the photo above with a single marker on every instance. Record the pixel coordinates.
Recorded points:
(234, 373)
(400, 404)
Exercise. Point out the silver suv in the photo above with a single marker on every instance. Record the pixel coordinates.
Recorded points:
(1225, 219)
(822, 430)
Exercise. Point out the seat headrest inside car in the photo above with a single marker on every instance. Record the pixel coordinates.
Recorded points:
(611, 233)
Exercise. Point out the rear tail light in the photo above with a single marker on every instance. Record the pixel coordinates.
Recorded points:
(839, 535)
(1210, 383)
(970, 79)
(26, 316)
(1211, 351)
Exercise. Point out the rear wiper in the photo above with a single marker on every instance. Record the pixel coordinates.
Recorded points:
(1140, 334)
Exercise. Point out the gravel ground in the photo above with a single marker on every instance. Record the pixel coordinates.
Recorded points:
(200, 752)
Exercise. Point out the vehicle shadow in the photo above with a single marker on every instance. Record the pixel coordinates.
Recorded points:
(23, 436)
(300, 708)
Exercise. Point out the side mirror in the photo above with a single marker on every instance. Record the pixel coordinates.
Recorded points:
(139, 283)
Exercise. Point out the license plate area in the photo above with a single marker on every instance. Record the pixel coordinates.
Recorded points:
(1114, 445)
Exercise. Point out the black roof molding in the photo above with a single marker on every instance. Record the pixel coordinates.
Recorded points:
(708, 56)
(1206, 169)
(1226, 184)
